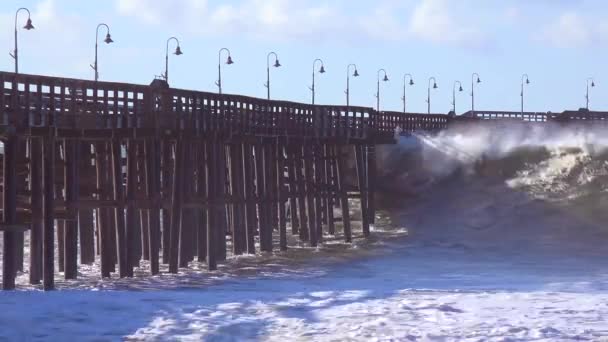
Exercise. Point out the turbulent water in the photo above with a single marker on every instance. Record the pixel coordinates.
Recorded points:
(488, 234)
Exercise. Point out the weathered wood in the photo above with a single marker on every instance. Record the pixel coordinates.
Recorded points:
(119, 214)
(185, 222)
(371, 182)
(70, 233)
(317, 185)
(85, 216)
(329, 189)
(300, 181)
(166, 186)
(362, 179)
(239, 238)
(48, 232)
(222, 218)
(176, 210)
(102, 217)
(264, 229)
(10, 213)
(340, 168)
(280, 187)
(237, 166)
(152, 177)
(215, 210)
(293, 189)
(37, 210)
(310, 195)
(249, 196)
(201, 191)
(132, 236)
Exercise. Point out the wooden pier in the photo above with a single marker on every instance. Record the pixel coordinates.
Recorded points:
(121, 173)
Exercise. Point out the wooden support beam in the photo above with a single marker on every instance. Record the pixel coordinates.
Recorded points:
(176, 210)
(317, 190)
(132, 236)
(201, 191)
(119, 214)
(300, 180)
(280, 187)
(86, 226)
(214, 211)
(362, 179)
(293, 190)
(340, 170)
(167, 185)
(249, 195)
(239, 238)
(10, 213)
(101, 214)
(36, 194)
(71, 174)
(328, 189)
(310, 194)
(152, 178)
(48, 233)
(371, 182)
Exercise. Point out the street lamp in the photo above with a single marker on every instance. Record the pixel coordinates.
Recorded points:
(229, 61)
(524, 81)
(385, 79)
(473, 81)
(276, 65)
(405, 83)
(28, 26)
(355, 74)
(454, 95)
(178, 52)
(428, 98)
(108, 40)
(592, 86)
(321, 71)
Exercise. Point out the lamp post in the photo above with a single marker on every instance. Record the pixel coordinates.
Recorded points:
(428, 98)
(355, 74)
(276, 65)
(473, 81)
(454, 95)
(229, 61)
(587, 95)
(524, 81)
(321, 71)
(108, 40)
(28, 26)
(385, 79)
(405, 83)
(178, 52)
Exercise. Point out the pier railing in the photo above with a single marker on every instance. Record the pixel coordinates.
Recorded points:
(32, 101)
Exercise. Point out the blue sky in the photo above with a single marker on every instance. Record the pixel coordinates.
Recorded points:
(559, 43)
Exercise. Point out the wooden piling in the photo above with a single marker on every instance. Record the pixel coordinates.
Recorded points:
(48, 233)
(9, 250)
(70, 233)
(36, 202)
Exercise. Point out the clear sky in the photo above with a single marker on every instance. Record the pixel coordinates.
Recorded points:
(559, 43)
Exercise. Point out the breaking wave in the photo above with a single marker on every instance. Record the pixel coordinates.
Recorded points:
(538, 188)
